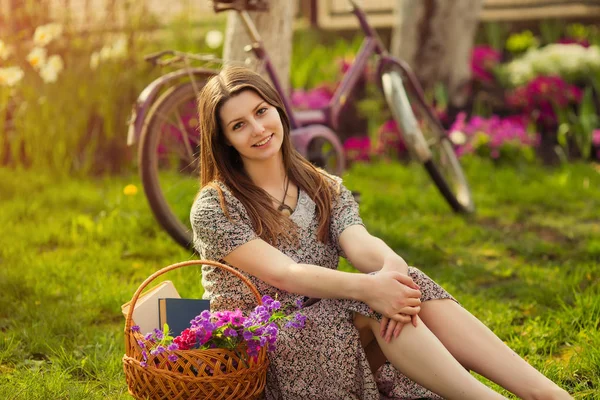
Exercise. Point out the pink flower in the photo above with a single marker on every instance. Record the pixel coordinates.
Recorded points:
(389, 139)
(493, 134)
(596, 137)
(357, 148)
(541, 95)
(483, 61)
(316, 98)
(570, 40)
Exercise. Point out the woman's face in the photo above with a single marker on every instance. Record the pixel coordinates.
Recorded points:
(252, 126)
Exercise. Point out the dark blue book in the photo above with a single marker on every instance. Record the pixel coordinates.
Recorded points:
(178, 313)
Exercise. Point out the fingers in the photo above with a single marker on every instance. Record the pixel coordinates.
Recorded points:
(398, 329)
(390, 330)
(383, 325)
(414, 320)
(412, 302)
(405, 319)
(410, 310)
(406, 280)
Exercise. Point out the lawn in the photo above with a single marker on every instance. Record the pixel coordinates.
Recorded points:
(527, 264)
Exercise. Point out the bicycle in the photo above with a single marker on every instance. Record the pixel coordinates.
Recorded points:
(165, 115)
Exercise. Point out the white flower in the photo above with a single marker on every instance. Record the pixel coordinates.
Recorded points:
(213, 39)
(46, 33)
(10, 76)
(119, 47)
(458, 138)
(566, 60)
(94, 60)
(49, 71)
(4, 50)
(115, 50)
(37, 57)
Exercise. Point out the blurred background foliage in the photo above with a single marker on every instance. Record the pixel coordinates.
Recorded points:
(66, 91)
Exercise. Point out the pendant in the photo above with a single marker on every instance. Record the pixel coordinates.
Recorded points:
(285, 210)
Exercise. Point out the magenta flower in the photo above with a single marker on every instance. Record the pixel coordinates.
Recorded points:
(225, 329)
(316, 98)
(596, 137)
(483, 60)
(357, 148)
(491, 135)
(539, 97)
(389, 140)
(570, 40)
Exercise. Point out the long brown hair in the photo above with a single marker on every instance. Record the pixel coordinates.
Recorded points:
(220, 162)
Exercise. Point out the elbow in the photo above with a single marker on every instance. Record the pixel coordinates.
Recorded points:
(283, 279)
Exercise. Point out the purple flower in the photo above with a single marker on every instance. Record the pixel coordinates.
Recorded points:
(135, 328)
(248, 335)
(144, 364)
(298, 322)
(158, 334)
(299, 303)
(172, 357)
(230, 332)
(172, 347)
(148, 336)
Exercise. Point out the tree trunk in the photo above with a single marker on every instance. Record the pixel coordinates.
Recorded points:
(275, 27)
(435, 37)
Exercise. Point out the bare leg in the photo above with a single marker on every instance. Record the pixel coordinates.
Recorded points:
(419, 355)
(477, 348)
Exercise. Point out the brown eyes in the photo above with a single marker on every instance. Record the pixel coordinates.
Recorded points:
(259, 112)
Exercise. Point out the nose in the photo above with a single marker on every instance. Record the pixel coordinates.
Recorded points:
(257, 127)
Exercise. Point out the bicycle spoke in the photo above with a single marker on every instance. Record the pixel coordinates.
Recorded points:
(183, 131)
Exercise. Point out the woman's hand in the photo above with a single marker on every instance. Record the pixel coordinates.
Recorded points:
(395, 263)
(391, 328)
(393, 294)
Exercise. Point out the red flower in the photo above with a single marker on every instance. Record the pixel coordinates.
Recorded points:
(187, 339)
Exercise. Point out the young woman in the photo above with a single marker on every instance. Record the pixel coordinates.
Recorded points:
(390, 332)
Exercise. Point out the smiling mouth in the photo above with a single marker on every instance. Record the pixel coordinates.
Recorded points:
(264, 141)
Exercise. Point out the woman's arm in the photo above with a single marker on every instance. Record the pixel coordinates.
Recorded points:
(368, 253)
(388, 293)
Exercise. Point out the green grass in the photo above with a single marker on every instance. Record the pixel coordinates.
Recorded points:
(527, 264)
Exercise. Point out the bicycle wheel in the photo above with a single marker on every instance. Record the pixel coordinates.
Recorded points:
(426, 138)
(325, 154)
(168, 159)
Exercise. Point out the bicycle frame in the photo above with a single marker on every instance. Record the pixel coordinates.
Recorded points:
(147, 97)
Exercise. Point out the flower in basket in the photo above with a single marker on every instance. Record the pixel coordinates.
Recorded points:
(225, 330)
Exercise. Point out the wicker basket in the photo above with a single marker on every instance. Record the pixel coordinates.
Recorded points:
(197, 374)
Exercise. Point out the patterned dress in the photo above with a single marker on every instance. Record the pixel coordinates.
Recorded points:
(325, 359)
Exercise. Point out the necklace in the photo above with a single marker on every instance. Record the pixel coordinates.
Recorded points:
(284, 208)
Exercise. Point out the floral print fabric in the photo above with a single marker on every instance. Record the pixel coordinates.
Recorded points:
(325, 360)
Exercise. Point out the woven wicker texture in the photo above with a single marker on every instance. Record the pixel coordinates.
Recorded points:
(197, 374)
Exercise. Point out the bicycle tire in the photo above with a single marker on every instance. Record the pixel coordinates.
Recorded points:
(446, 173)
(149, 159)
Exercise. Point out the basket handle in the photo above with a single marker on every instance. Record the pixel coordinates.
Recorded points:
(129, 319)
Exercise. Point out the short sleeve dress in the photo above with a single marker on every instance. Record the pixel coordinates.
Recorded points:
(325, 359)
